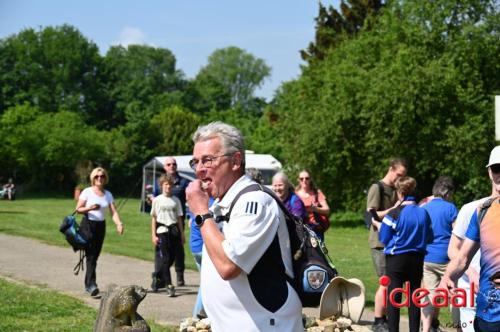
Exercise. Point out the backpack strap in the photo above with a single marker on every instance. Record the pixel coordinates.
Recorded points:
(484, 208)
(381, 193)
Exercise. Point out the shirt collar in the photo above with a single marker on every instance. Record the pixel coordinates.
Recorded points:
(243, 182)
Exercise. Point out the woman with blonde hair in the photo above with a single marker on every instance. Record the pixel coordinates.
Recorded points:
(92, 203)
(314, 200)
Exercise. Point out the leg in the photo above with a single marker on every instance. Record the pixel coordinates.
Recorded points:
(179, 262)
(396, 272)
(166, 260)
(198, 306)
(98, 230)
(415, 264)
(379, 262)
(427, 313)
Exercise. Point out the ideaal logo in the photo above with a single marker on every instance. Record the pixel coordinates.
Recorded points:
(442, 296)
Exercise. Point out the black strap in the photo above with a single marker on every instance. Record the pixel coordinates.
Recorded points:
(80, 265)
(484, 208)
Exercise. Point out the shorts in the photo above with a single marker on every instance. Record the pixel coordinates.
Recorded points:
(433, 272)
(378, 258)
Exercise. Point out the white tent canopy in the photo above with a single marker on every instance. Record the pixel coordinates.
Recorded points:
(266, 163)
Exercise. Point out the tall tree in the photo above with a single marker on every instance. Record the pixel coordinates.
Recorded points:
(55, 68)
(415, 85)
(231, 77)
(333, 26)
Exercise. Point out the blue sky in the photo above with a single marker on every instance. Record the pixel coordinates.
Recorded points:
(274, 30)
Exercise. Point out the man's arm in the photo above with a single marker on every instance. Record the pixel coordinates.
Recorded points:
(212, 237)
(459, 264)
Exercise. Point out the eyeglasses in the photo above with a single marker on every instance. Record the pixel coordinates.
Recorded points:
(100, 176)
(304, 179)
(171, 164)
(495, 168)
(205, 161)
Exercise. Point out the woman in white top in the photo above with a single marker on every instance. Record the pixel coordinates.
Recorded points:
(93, 202)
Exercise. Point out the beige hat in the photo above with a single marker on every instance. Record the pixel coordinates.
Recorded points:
(343, 297)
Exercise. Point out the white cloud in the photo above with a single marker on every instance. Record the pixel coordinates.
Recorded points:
(130, 35)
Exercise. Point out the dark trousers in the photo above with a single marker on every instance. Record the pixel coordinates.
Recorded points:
(165, 254)
(179, 259)
(402, 268)
(480, 325)
(98, 231)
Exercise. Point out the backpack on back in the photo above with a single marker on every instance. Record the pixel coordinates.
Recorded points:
(312, 267)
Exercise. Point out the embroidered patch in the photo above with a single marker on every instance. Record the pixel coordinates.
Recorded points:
(251, 207)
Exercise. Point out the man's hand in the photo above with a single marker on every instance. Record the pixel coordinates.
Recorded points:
(447, 283)
(197, 198)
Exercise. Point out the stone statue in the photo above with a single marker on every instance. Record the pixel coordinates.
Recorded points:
(118, 310)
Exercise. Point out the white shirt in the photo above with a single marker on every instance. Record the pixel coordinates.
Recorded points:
(231, 304)
(91, 198)
(167, 210)
(461, 225)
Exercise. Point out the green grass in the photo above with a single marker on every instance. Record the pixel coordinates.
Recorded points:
(32, 308)
(40, 218)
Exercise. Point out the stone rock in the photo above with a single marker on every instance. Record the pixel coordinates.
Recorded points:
(343, 322)
(118, 310)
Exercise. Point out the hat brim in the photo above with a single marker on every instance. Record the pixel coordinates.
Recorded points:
(343, 297)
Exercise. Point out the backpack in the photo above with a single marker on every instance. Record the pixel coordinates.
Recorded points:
(312, 267)
(367, 216)
(76, 237)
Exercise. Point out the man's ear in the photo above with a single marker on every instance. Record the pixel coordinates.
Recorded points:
(237, 160)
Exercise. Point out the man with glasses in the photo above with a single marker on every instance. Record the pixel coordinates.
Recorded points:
(178, 190)
(383, 204)
(246, 261)
(483, 233)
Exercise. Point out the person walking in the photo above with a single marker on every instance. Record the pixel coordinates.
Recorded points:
(315, 203)
(405, 232)
(166, 235)
(179, 191)
(242, 288)
(92, 203)
(382, 197)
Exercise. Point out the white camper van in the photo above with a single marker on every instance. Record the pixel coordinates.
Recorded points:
(265, 163)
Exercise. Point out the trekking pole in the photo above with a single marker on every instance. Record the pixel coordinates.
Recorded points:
(124, 200)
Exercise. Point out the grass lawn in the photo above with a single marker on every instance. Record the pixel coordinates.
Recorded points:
(40, 218)
(31, 308)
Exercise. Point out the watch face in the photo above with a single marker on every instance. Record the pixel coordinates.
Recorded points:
(198, 220)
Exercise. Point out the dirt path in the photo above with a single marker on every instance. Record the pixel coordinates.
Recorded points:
(32, 261)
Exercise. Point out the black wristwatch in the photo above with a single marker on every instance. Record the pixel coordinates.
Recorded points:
(200, 218)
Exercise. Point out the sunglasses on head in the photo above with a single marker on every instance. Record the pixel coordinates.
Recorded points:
(495, 168)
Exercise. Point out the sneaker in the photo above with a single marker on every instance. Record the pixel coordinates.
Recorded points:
(170, 290)
(381, 327)
(93, 291)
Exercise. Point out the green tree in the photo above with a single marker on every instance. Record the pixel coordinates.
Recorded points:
(230, 78)
(55, 68)
(333, 26)
(406, 87)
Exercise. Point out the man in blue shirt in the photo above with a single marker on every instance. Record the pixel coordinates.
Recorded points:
(443, 215)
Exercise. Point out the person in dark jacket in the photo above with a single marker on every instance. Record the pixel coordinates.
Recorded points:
(405, 232)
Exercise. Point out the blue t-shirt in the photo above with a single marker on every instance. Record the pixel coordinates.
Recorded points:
(488, 297)
(442, 214)
(405, 229)
(195, 239)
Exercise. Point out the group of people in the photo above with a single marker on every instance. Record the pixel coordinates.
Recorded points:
(239, 290)
(431, 245)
